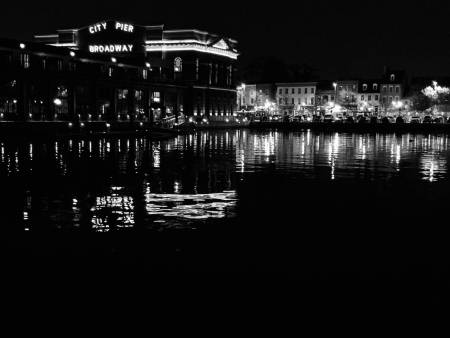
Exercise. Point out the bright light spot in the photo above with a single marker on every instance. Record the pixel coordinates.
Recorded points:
(57, 102)
(22, 46)
(72, 53)
(113, 59)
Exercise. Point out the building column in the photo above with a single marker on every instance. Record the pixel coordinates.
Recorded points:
(146, 100)
(206, 101)
(93, 109)
(48, 103)
(72, 102)
(112, 109)
(23, 100)
(131, 103)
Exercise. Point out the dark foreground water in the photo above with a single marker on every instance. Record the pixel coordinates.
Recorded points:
(316, 205)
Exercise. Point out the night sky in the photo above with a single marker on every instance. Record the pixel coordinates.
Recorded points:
(343, 38)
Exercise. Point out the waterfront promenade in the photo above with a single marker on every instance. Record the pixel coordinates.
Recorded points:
(355, 127)
(32, 130)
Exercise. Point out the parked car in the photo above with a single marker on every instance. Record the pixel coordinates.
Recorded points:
(275, 118)
(415, 120)
(388, 120)
(439, 119)
(349, 119)
(297, 119)
(427, 119)
(339, 118)
(287, 118)
(374, 120)
(317, 118)
(328, 118)
(399, 120)
(362, 119)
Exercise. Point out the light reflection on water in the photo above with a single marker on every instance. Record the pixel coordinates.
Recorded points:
(112, 184)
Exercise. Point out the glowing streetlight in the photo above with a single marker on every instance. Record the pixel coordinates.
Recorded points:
(72, 53)
(57, 102)
(113, 59)
(22, 46)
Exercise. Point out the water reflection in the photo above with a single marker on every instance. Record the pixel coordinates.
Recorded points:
(109, 184)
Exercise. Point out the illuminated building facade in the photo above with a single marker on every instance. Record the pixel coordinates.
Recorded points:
(256, 97)
(393, 85)
(326, 97)
(369, 96)
(295, 98)
(118, 71)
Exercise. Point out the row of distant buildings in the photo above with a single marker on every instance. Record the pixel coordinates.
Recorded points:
(388, 94)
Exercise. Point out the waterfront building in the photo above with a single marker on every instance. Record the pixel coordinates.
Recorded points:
(117, 71)
(256, 97)
(393, 88)
(296, 98)
(247, 97)
(326, 97)
(347, 93)
(368, 99)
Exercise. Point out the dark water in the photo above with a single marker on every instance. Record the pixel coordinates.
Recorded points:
(320, 206)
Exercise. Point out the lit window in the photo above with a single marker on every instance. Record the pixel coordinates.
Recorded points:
(178, 65)
(197, 65)
(375, 86)
(156, 97)
(392, 77)
(364, 87)
(25, 60)
(144, 74)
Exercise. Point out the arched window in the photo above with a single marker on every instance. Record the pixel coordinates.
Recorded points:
(178, 65)
(392, 77)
